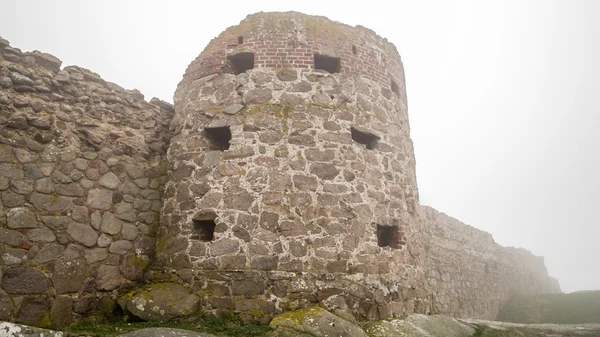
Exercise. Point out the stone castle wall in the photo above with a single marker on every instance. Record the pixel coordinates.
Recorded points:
(81, 175)
(470, 275)
(269, 186)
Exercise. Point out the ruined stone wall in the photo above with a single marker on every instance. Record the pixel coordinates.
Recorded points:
(81, 176)
(469, 274)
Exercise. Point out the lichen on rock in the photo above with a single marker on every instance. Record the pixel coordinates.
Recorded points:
(160, 302)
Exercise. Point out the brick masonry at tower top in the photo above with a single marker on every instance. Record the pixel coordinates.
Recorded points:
(291, 40)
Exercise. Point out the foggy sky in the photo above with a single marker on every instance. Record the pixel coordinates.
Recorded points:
(503, 97)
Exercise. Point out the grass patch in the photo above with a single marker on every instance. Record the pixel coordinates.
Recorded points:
(573, 308)
(231, 327)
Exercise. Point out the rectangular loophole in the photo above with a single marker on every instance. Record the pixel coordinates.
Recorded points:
(240, 40)
(328, 63)
(205, 229)
(395, 88)
(363, 137)
(204, 224)
(388, 236)
(219, 137)
(240, 63)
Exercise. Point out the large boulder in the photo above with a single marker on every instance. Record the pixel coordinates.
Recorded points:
(18, 330)
(418, 325)
(319, 322)
(160, 302)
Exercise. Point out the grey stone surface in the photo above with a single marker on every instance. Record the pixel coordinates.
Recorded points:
(82, 233)
(50, 252)
(110, 224)
(50, 203)
(100, 199)
(95, 255)
(41, 234)
(109, 180)
(161, 302)
(108, 278)
(319, 322)
(421, 326)
(120, 247)
(11, 237)
(233, 109)
(165, 332)
(24, 280)
(6, 307)
(69, 276)
(21, 217)
(61, 312)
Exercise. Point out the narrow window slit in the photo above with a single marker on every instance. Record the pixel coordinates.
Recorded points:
(219, 137)
(204, 224)
(328, 63)
(354, 50)
(363, 137)
(395, 88)
(240, 40)
(387, 236)
(240, 63)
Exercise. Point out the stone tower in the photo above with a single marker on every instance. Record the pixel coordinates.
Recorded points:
(292, 155)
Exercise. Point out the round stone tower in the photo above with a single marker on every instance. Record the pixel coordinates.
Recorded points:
(292, 173)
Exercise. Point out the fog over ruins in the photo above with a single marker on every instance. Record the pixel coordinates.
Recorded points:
(256, 161)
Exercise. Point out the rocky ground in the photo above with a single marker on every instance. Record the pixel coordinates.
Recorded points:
(317, 322)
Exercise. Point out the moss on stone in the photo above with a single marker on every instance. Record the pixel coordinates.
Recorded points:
(161, 245)
(297, 317)
(45, 322)
(138, 262)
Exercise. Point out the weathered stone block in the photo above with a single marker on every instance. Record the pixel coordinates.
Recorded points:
(95, 255)
(33, 310)
(11, 238)
(258, 96)
(51, 203)
(24, 281)
(6, 306)
(264, 262)
(305, 183)
(11, 199)
(324, 171)
(170, 300)
(48, 253)
(22, 186)
(110, 224)
(69, 276)
(71, 190)
(108, 278)
(57, 223)
(100, 199)
(61, 312)
(82, 233)
(224, 246)
(132, 267)
(21, 217)
(120, 247)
